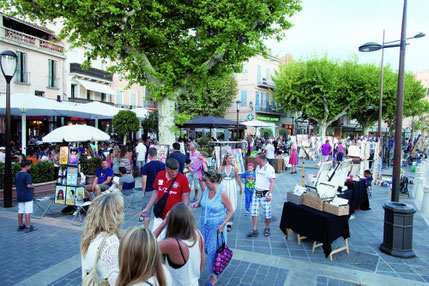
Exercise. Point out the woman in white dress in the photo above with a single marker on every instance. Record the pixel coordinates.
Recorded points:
(102, 225)
(140, 260)
(230, 179)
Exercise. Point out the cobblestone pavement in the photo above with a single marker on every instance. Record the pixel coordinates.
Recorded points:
(50, 256)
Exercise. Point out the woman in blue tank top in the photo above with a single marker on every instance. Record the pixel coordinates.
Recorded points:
(216, 212)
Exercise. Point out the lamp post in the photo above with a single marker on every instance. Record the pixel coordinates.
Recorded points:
(398, 217)
(237, 105)
(8, 62)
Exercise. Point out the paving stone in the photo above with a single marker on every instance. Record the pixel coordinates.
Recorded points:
(409, 276)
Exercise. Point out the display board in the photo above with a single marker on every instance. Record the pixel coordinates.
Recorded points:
(161, 152)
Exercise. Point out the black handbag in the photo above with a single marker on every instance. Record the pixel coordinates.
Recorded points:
(158, 209)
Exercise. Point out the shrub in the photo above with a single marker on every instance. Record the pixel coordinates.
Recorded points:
(42, 172)
(209, 150)
(268, 130)
(92, 165)
(203, 141)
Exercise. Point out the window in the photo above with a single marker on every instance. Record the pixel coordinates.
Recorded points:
(133, 99)
(244, 97)
(52, 71)
(21, 68)
(103, 97)
(39, 93)
(267, 75)
(259, 75)
(267, 95)
(73, 91)
(119, 97)
(262, 100)
(88, 94)
(257, 101)
(244, 72)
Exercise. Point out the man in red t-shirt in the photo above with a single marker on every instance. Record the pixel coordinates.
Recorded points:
(179, 192)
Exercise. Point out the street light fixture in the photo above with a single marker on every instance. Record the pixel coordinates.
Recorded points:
(237, 105)
(397, 238)
(8, 63)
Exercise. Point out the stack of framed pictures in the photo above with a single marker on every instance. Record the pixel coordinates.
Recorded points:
(68, 191)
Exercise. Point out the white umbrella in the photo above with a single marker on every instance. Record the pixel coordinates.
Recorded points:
(76, 133)
(141, 112)
(97, 110)
(258, 123)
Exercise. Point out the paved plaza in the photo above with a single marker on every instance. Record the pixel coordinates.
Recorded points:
(50, 256)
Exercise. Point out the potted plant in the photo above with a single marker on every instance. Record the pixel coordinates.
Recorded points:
(89, 168)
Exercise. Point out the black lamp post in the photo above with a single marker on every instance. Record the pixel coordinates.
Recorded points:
(237, 105)
(8, 62)
(398, 217)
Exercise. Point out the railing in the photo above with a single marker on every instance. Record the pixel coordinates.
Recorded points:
(269, 109)
(267, 83)
(32, 41)
(92, 72)
(148, 103)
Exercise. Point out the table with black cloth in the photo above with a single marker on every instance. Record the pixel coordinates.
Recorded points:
(316, 225)
(357, 195)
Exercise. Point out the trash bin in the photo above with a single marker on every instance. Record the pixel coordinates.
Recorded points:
(398, 230)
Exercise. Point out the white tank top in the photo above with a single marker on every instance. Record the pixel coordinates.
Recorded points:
(188, 274)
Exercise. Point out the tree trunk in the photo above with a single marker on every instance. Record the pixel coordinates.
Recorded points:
(365, 129)
(125, 139)
(412, 129)
(322, 130)
(166, 121)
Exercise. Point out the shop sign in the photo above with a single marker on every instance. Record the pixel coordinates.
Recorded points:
(250, 117)
(265, 118)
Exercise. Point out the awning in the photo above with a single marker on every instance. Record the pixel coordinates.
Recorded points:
(94, 86)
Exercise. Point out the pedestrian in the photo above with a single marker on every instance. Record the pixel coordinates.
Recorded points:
(140, 154)
(115, 160)
(269, 152)
(183, 160)
(194, 155)
(24, 192)
(100, 237)
(264, 186)
(140, 260)
(340, 151)
(125, 160)
(102, 181)
(179, 192)
(149, 173)
(203, 168)
(293, 159)
(326, 151)
(216, 211)
(248, 178)
(183, 246)
(230, 179)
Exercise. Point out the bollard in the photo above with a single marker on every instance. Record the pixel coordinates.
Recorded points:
(419, 185)
(425, 203)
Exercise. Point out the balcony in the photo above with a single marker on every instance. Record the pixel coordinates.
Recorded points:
(266, 83)
(32, 41)
(91, 72)
(269, 110)
(84, 100)
(148, 103)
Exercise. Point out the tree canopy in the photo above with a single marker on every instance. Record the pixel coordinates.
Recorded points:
(125, 121)
(165, 45)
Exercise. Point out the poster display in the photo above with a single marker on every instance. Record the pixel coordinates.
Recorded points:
(162, 152)
(70, 196)
(79, 196)
(64, 155)
(72, 174)
(73, 158)
(237, 156)
(60, 195)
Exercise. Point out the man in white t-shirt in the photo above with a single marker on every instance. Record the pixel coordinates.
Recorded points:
(269, 152)
(264, 186)
(140, 154)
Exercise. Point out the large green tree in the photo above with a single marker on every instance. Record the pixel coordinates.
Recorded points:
(166, 44)
(321, 88)
(212, 98)
(124, 122)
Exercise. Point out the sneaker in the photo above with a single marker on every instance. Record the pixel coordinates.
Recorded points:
(30, 229)
(267, 232)
(20, 228)
(247, 213)
(252, 233)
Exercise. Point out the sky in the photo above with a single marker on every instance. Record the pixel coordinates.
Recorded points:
(338, 27)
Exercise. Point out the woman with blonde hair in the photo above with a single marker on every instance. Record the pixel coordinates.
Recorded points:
(230, 179)
(183, 246)
(115, 160)
(140, 260)
(101, 231)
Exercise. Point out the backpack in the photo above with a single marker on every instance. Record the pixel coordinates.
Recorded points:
(91, 278)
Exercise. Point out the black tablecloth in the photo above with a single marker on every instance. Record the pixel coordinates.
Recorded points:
(357, 195)
(316, 225)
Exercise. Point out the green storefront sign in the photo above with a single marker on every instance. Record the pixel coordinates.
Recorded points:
(264, 118)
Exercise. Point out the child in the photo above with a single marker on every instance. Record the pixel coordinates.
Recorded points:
(368, 178)
(24, 190)
(203, 168)
(249, 185)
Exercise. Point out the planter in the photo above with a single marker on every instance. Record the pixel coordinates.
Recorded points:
(39, 189)
(90, 179)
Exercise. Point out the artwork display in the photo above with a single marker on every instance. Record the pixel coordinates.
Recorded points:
(60, 195)
(79, 196)
(72, 175)
(70, 196)
(162, 152)
(73, 158)
(220, 152)
(64, 155)
(237, 156)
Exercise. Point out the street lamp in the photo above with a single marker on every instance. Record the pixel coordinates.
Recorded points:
(237, 105)
(8, 63)
(397, 239)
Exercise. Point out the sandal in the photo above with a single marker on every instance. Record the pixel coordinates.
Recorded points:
(20, 228)
(267, 232)
(252, 233)
(228, 228)
(30, 229)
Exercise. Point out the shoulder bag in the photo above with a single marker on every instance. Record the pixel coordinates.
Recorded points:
(158, 209)
(91, 278)
(223, 255)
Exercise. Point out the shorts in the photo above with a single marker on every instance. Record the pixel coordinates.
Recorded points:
(256, 202)
(140, 164)
(103, 187)
(156, 223)
(25, 207)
